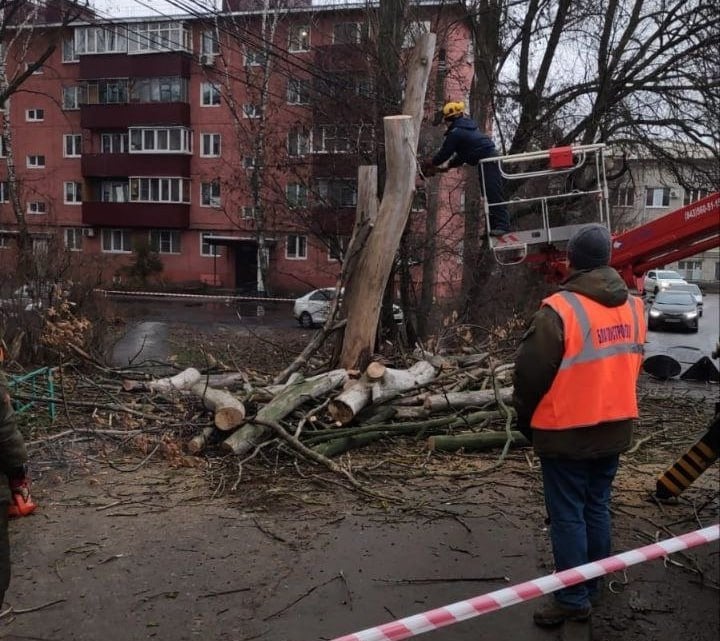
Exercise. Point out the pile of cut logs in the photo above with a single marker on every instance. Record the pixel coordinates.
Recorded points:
(457, 402)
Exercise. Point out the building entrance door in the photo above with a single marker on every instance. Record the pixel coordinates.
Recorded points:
(246, 265)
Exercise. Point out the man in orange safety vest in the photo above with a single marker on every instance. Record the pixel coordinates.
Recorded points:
(575, 379)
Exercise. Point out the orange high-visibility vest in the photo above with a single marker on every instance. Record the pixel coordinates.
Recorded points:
(598, 373)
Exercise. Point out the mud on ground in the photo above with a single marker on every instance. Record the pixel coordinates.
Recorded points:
(125, 547)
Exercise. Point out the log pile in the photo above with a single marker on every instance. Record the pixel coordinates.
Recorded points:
(452, 403)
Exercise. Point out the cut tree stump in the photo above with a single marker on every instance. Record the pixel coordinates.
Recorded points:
(228, 411)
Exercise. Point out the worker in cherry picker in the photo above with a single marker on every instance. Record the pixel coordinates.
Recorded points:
(465, 144)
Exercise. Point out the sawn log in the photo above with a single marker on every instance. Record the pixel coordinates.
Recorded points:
(228, 411)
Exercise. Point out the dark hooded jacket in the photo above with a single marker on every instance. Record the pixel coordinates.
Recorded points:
(464, 144)
(537, 362)
(12, 447)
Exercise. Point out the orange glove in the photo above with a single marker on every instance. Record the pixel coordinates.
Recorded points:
(22, 503)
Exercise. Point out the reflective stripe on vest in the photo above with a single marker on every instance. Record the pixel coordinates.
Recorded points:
(597, 376)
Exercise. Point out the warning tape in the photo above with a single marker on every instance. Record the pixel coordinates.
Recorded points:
(447, 615)
(209, 297)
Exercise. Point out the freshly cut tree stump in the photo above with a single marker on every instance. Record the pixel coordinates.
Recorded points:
(228, 411)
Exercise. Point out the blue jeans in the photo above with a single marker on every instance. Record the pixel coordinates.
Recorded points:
(577, 497)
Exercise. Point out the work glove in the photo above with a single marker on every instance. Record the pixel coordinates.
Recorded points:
(428, 169)
(21, 503)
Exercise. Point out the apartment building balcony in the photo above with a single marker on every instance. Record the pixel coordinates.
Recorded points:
(124, 115)
(143, 215)
(116, 165)
(113, 65)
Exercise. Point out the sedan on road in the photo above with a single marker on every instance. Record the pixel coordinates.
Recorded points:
(313, 308)
(691, 288)
(673, 309)
(658, 279)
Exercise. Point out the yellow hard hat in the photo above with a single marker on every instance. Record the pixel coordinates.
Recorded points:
(452, 109)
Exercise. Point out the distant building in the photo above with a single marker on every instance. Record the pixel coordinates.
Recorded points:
(147, 130)
(650, 190)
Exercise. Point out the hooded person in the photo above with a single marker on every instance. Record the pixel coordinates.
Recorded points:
(574, 391)
(465, 144)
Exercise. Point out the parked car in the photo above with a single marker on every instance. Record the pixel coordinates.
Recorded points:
(23, 298)
(692, 289)
(658, 279)
(313, 308)
(674, 309)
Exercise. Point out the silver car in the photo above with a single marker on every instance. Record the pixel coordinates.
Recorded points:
(658, 279)
(690, 288)
(313, 308)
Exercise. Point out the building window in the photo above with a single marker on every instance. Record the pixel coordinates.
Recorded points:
(73, 239)
(336, 247)
(4, 192)
(337, 193)
(210, 194)
(68, 50)
(419, 202)
(38, 72)
(106, 92)
(210, 42)
(37, 207)
(116, 241)
(114, 191)
(299, 38)
(72, 145)
(296, 248)
(296, 195)
(73, 97)
(298, 91)
(165, 241)
(298, 142)
(249, 162)
(4, 242)
(209, 95)
(35, 161)
(163, 89)
(175, 139)
(210, 145)
(35, 115)
(160, 190)
(255, 57)
(690, 269)
(332, 139)
(207, 248)
(3, 147)
(657, 197)
(72, 193)
(145, 37)
(110, 39)
(251, 111)
(693, 195)
(624, 197)
(347, 33)
(249, 213)
(114, 143)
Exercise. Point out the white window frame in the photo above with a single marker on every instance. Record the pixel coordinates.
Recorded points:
(166, 241)
(74, 141)
(358, 32)
(76, 192)
(69, 54)
(210, 143)
(106, 39)
(660, 198)
(210, 42)
(342, 241)
(214, 92)
(299, 142)
(625, 196)
(4, 191)
(4, 242)
(299, 199)
(249, 212)
(213, 251)
(210, 194)
(37, 207)
(164, 186)
(249, 162)
(151, 140)
(299, 91)
(121, 138)
(38, 72)
(332, 139)
(296, 247)
(255, 57)
(333, 192)
(73, 238)
(77, 93)
(297, 40)
(35, 161)
(251, 111)
(151, 37)
(36, 114)
(693, 195)
(112, 235)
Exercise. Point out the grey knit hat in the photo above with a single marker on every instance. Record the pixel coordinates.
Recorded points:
(589, 247)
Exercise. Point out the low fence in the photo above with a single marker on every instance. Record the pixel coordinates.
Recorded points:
(38, 383)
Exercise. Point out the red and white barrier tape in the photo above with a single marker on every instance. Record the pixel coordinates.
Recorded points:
(447, 615)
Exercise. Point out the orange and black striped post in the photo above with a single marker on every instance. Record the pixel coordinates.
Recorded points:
(692, 464)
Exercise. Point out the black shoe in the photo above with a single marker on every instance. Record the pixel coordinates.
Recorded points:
(497, 231)
(554, 613)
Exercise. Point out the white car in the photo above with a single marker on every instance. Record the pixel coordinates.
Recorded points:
(313, 308)
(658, 279)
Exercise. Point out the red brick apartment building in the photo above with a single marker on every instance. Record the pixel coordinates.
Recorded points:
(217, 142)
